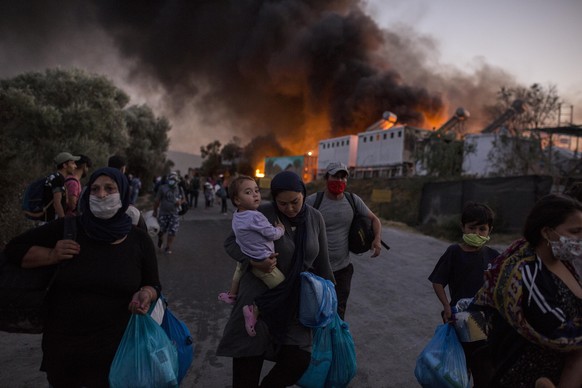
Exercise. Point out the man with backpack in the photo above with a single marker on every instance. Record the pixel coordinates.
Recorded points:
(338, 212)
(45, 199)
(66, 165)
(73, 184)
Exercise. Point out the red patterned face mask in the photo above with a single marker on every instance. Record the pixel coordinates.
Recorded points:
(336, 187)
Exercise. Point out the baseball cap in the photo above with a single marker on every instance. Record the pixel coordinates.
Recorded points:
(65, 157)
(335, 167)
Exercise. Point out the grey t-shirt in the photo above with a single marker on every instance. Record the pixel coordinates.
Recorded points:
(168, 197)
(338, 216)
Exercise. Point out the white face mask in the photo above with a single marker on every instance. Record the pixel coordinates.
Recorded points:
(567, 248)
(106, 207)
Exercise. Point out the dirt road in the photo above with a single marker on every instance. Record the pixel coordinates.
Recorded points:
(392, 310)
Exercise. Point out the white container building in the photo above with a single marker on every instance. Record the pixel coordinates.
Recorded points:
(338, 149)
(387, 152)
(477, 163)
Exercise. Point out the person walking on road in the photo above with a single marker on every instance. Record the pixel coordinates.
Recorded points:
(110, 272)
(194, 190)
(135, 186)
(208, 194)
(279, 334)
(169, 199)
(338, 214)
(536, 297)
(254, 235)
(461, 269)
(73, 184)
(66, 165)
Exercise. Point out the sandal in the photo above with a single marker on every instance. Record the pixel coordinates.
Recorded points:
(227, 297)
(250, 320)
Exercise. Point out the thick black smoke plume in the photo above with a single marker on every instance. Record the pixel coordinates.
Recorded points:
(298, 69)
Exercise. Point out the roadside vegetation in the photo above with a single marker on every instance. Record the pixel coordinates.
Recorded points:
(44, 113)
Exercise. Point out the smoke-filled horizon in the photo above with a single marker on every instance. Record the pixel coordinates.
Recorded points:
(295, 71)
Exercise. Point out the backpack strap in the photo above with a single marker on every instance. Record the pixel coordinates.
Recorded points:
(69, 233)
(318, 199)
(350, 198)
(70, 230)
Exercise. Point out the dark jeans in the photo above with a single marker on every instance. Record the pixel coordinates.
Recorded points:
(479, 362)
(291, 363)
(343, 285)
(224, 203)
(194, 198)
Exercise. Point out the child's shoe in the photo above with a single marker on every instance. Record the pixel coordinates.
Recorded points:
(227, 297)
(250, 320)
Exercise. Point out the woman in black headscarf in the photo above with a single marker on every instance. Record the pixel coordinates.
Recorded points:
(104, 274)
(280, 336)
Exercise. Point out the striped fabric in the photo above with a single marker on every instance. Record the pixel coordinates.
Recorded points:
(515, 282)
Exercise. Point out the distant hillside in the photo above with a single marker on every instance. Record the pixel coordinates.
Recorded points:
(183, 161)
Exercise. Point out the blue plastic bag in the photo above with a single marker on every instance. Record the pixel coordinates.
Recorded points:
(180, 336)
(145, 357)
(316, 373)
(343, 361)
(442, 362)
(317, 302)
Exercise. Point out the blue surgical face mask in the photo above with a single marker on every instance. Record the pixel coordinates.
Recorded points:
(106, 207)
(172, 182)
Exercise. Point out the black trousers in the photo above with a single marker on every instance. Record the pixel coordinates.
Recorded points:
(291, 363)
(343, 285)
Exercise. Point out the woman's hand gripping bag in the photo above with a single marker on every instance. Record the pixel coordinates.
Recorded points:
(442, 362)
(145, 357)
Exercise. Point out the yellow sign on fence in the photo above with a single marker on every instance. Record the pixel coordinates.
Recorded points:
(381, 195)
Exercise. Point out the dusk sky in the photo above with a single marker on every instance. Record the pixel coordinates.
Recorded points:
(181, 59)
(534, 40)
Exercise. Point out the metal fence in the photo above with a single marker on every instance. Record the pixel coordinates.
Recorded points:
(511, 198)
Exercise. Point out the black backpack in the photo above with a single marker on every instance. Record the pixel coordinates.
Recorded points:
(23, 291)
(37, 200)
(361, 234)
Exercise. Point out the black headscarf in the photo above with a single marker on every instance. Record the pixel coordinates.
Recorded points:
(289, 181)
(280, 304)
(119, 225)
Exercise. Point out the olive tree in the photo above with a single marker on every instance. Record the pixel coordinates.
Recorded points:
(44, 113)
